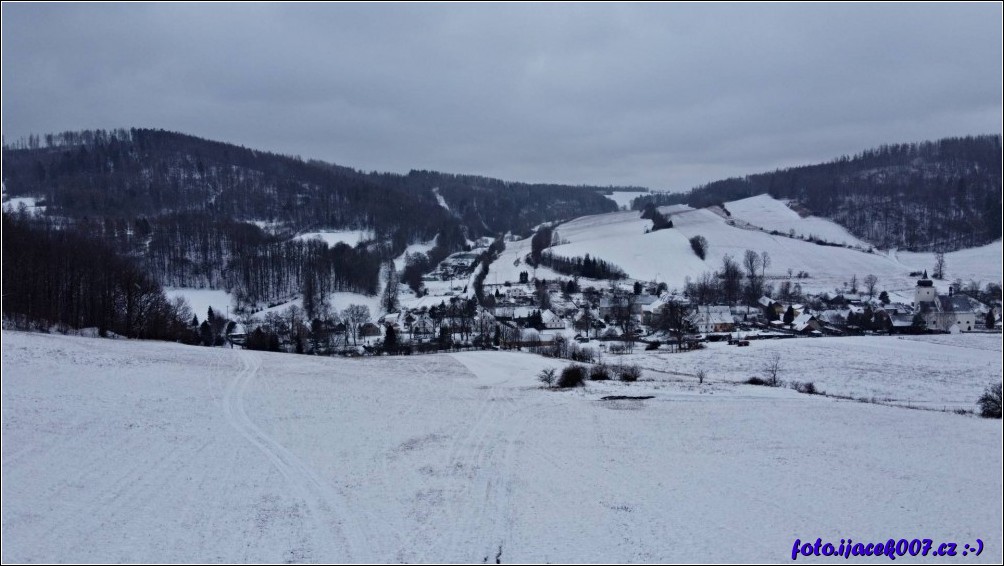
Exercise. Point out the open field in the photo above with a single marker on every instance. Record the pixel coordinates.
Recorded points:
(127, 451)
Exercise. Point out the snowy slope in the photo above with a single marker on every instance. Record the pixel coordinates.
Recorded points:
(127, 451)
(624, 198)
(512, 261)
(768, 213)
(667, 256)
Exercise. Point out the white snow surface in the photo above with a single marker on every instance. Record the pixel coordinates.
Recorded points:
(201, 299)
(667, 256)
(130, 451)
(944, 372)
(624, 198)
(337, 302)
(421, 247)
(332, 237)
(14, 204)
(442, 201)
(768, 213)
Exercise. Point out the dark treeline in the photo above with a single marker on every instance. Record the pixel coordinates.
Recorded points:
(189, 209)
(149, 172)
(152, 172)
(483, 264)
(489, 206)
(542, 239)
(659, 220)
(284, 270)
(941, 195)
(587, 267)
(57, 275)
(415, 265)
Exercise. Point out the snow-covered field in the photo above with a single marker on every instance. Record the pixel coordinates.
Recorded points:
(332, 237)
(932, 371)
(624, 198)
(126, 451)
(667, 256)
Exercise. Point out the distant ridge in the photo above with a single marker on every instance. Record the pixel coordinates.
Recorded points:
(930, 196)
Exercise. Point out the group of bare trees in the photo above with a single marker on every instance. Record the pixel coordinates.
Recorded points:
(54, 275)
(732, 283)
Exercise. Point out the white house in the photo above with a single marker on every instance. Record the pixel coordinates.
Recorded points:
(943, 312)
(713, 319)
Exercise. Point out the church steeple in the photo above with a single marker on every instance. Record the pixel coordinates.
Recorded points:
(925, 292)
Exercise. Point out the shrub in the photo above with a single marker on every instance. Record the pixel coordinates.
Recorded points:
(699, 245)
(990, 402)
(582, 354)
(546, 376)
(654, 345)
(628, 373)
(756, 381)
(572, 376)
(701, 376)
(599, 373)
(809, 388)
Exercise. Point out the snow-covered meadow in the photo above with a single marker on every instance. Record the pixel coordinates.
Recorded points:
(128, 451)
(944, 372)
(666, 255)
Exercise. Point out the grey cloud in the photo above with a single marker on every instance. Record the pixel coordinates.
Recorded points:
(665, 95)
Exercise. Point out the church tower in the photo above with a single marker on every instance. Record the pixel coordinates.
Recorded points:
(925, 292)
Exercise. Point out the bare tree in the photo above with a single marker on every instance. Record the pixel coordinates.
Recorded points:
(871, 284)
(764, 264)
(751, 261)
(355, 316)
(389, 301)
(674, 317)
(547, 376)
(772, 369)
(731, 276)
(939, 266)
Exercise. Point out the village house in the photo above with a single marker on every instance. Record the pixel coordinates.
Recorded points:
(716, 318)
(945, 313)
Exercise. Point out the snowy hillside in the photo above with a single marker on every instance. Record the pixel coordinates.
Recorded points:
(666, 255)
(128, 451)
(773, 215)
(624, 198)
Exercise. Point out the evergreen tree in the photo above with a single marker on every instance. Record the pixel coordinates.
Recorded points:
(390, 301)
(390, 338)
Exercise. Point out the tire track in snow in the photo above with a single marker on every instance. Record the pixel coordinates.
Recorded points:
(484, 458)
(325, 505)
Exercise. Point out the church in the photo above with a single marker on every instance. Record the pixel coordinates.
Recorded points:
(946, 313)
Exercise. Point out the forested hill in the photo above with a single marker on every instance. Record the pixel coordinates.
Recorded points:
(932, 196)
(142, 173)
(191, 211)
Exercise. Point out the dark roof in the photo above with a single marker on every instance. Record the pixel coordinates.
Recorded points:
(925, 283)
(955, 303)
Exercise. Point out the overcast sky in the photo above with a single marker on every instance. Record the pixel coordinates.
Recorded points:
(665, 96)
